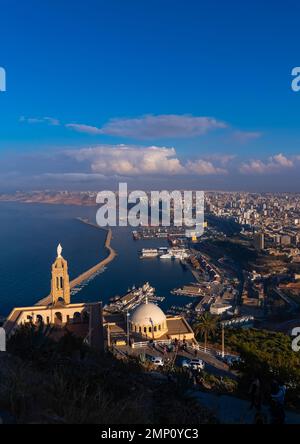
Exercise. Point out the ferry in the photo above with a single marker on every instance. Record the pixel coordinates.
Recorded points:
(179, 253)
(175, 253)
(149, 252)
(163, 250)
(166, 256)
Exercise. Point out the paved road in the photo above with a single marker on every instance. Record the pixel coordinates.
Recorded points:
(293, 305)
(212, 364)
(231, 410)
(287, 326)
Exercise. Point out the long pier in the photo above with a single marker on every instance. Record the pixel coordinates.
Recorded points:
(91, 271)
(87, 274)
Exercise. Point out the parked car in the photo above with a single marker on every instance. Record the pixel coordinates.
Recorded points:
(193, 364)
(234, 360)
(230, 359)
(157, 361)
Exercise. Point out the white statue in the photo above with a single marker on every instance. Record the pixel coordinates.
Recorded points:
(59, 250)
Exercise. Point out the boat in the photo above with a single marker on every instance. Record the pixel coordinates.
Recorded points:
(149, 252)
(179, 253)
(183, 263)
(180, 256)
(166, 256)
(163, 250)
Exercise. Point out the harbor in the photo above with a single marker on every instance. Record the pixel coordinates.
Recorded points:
(133, 298)
(159, 233)
(165, 253)
(174, 268)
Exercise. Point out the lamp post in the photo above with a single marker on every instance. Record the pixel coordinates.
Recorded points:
(223, 341)
(152, 328)
(127, 316)
(108, 337)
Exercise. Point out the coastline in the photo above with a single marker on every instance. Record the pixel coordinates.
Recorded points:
(91, 271)
(42, 198)
(131, 270)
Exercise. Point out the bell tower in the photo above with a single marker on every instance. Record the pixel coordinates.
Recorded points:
(60, 283)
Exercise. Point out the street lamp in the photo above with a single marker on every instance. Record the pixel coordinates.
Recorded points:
(223, 341)
(127, 316)
(152, 328)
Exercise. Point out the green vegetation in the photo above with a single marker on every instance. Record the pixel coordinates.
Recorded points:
(221, 385)
(43, 381)
(269, 355)
(205, 326)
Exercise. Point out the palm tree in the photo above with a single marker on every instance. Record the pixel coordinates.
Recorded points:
(205, 325)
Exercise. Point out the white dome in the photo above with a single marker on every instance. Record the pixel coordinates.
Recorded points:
(148, 314)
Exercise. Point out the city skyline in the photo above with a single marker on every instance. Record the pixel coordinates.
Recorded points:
(157, 95)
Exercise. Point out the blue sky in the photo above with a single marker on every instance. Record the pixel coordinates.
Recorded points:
(167, 92)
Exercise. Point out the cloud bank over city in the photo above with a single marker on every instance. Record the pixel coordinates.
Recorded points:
(274, 164)
(130, 160)
(150, 165)
(176, 164)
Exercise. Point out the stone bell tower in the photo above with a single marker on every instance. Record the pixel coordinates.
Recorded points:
(60, 283)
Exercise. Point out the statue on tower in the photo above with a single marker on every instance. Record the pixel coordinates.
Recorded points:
(60, 282)
(59, 250)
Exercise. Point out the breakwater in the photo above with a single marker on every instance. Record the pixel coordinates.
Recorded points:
(91, 271)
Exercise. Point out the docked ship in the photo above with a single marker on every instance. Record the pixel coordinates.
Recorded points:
(163, 250)
(166, 256)
(149, 252)
(133, 298)
(180, 253)
(175, 253)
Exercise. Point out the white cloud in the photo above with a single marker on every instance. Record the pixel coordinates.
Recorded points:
(48, 120)
(204, 167)
(151, 126)
(246, 136)
(73, 177)
(131, 160)
(222, 159)
(280, 159)
(81, 128)
(274, 164)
